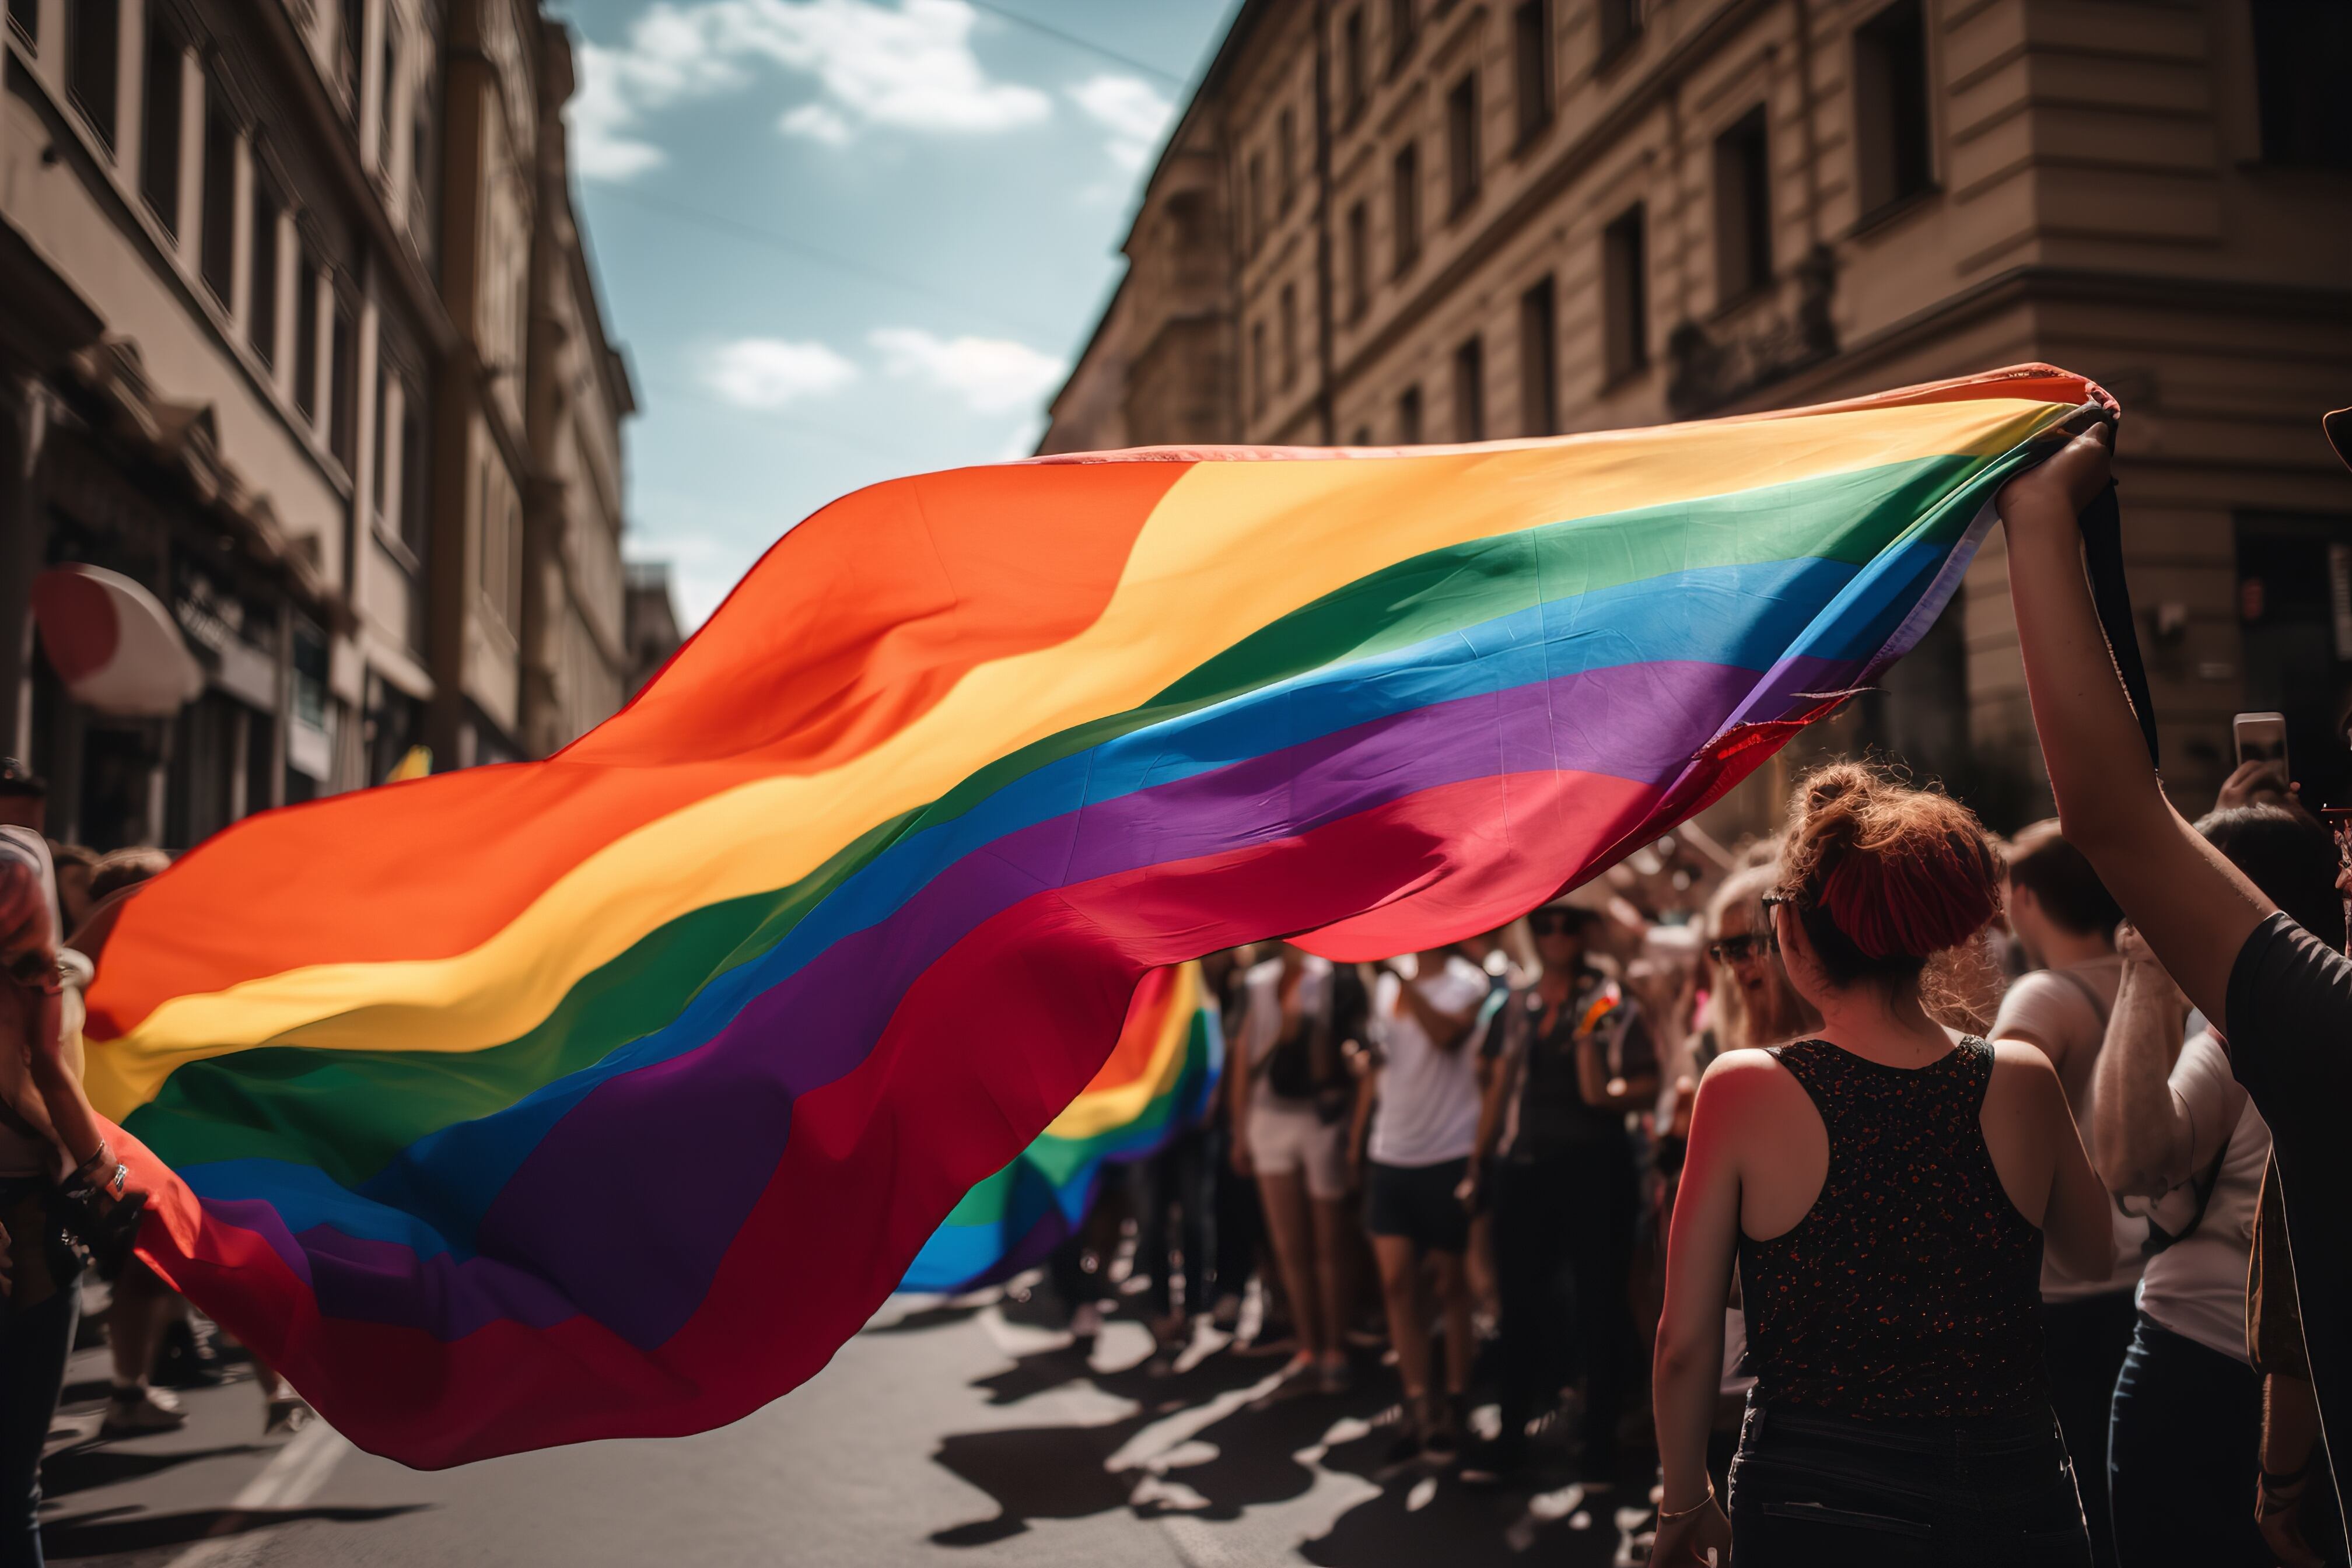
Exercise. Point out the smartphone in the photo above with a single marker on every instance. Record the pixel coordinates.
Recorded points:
(2262, 737)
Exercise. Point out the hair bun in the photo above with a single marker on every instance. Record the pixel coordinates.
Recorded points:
(1900, 873)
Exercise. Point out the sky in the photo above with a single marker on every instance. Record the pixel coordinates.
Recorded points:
(842, 240)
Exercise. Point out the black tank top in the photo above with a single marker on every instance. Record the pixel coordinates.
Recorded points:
(1912, 1288)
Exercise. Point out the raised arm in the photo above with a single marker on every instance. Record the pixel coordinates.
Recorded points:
(1445, 1030)
(2193, 906)
(2140, 1133)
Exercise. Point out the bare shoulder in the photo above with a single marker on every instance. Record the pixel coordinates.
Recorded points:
(2024, 1080)
(1748, 1082)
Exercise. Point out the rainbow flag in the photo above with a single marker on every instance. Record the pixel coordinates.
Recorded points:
(1156, 1084)
(607, 1095)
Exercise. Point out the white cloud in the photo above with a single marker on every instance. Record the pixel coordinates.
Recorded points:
(818, 122)
(769, 373)
(991, 375)
(1131, 110)
(601, 115)
(907, 66)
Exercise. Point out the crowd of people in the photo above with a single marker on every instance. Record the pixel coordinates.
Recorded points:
(1914, 1176)
(1906, 1195)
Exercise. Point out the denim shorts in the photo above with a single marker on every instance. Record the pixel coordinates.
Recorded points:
(1824, 1491)
(1418, 1203)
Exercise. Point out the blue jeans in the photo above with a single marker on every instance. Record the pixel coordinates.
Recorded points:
(1811, 1491)
(37, 1330)
(2184, 1449)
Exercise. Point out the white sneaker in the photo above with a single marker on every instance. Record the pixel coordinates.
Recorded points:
(134, 1412)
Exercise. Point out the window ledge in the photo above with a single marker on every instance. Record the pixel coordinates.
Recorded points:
(393, 544)
(1887, 214)
(1532, 135)
(1763, 287)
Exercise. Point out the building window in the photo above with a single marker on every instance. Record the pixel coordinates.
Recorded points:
(1409, 416)
(348, 43)
(1470, 390)
(2300, 48)
(1890, 107)
(1257, 214)
(217, 258)
(94, 61)
(1257, 369)
(24, 20)
(261, 309)
(1625, 295)
(1620, 24)
(1289, 316)
(1531, 59)
(343, 388)
(379, 481)
(1462, 143)
(1285, 157)
(1360, 260)
(1354, 76)
(1401, 31)
(1743, 209)
(414, 511)
(306, 333)
(1406, 178)
(158, 132)
(387, 88)
(1539, 358)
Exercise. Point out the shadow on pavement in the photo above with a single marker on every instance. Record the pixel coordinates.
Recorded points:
(1256, 1454)
(78, 1469)
(105, 1532)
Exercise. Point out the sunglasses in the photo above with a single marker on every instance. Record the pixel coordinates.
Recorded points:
(1739, 949)
(1553, 922)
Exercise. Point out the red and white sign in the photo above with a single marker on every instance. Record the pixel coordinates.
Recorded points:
(113, 643)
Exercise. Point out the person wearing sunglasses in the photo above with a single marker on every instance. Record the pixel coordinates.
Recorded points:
(1576, 1057)
(1887, 1191)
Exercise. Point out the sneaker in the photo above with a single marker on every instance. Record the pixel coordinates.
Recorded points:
(1332, 1376)
(1405, 1450)
(187, 1359)
(135, 1412)
(1227, 1313)
(286, 1416)
(1441, 1447)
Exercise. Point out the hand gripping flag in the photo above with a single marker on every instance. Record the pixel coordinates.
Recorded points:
(607, 1095)
(1153, 1087)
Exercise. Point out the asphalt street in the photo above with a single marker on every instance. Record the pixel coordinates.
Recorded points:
(968, 1433)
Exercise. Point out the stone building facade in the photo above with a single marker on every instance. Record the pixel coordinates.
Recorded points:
(247, 361)
(1456, 221)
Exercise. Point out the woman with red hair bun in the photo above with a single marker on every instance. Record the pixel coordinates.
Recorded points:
(1886, 1189)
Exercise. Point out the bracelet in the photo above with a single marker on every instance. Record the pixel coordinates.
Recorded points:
(1681, 1513)
(98, 1158)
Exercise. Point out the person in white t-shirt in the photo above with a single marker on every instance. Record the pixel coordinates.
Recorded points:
(1424, 1127)
(2065, 919)
(1288, 1103)
(2171, 1124)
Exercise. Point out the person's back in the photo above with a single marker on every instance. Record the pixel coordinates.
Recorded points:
(1887, 1188)
(1910, 1288)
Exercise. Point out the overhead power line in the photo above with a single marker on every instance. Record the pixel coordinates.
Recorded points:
(757, 235)
(1088, 45)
